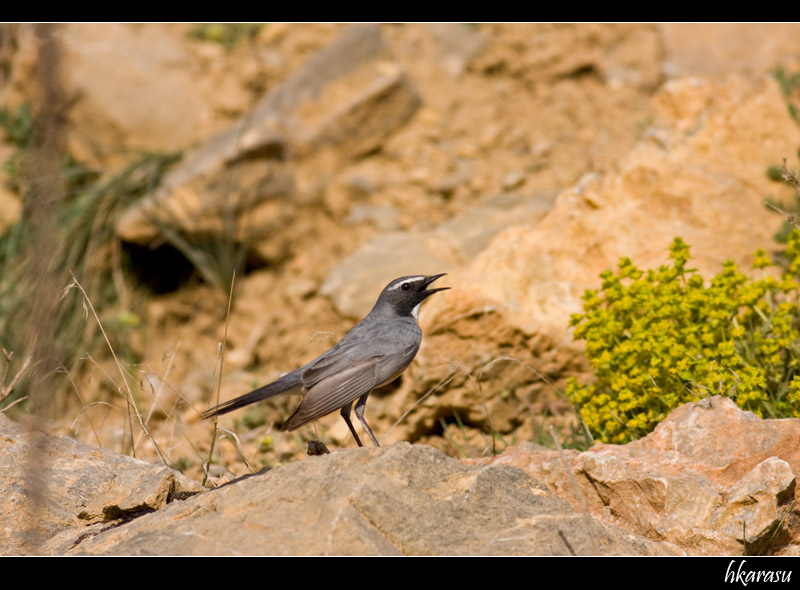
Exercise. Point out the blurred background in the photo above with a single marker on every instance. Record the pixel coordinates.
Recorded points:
(146, 165)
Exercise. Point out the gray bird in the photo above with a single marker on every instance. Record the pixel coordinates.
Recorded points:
(372, 354)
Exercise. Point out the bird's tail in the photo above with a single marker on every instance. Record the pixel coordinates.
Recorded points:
(285, 384)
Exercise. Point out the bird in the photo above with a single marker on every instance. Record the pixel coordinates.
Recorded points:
(372, 354)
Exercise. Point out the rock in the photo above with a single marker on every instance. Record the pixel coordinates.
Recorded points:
(154, 87)
(620, 54)
(398, 500)
(708, 477)
(710, 480)
(445, 248)
(697, 50)
(383, 259)
(708, 181)
(345, 101)
(470, 233)
(134, 88)
(457, 45)
(513, 180)
(53, 488)
(119, 101)
(383, 217)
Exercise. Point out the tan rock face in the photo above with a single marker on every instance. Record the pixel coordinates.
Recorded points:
(62, 497)
(711, 479)
(54, 488)
(699, 174)
(347, 99)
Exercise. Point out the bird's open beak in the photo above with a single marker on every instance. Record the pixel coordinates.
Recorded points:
(423, 290)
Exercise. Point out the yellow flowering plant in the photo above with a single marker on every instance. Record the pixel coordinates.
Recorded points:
(659, 338)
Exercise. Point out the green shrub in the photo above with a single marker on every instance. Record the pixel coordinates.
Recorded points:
(226, 34)
(661, 338)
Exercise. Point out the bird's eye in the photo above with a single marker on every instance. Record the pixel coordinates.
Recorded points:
(405, 287)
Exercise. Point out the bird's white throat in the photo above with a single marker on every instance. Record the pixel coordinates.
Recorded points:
(415, 311)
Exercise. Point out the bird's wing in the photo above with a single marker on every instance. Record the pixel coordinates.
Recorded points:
(334, 391)
(340, 381)
(335, 360)
(389, 349)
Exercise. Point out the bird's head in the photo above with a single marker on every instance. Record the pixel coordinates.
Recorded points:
(403, 296)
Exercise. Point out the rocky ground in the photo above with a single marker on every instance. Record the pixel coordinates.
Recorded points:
(711, 480)
(520, 159)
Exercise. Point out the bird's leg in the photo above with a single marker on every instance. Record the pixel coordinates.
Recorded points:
(362, 402)
(346, 416)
